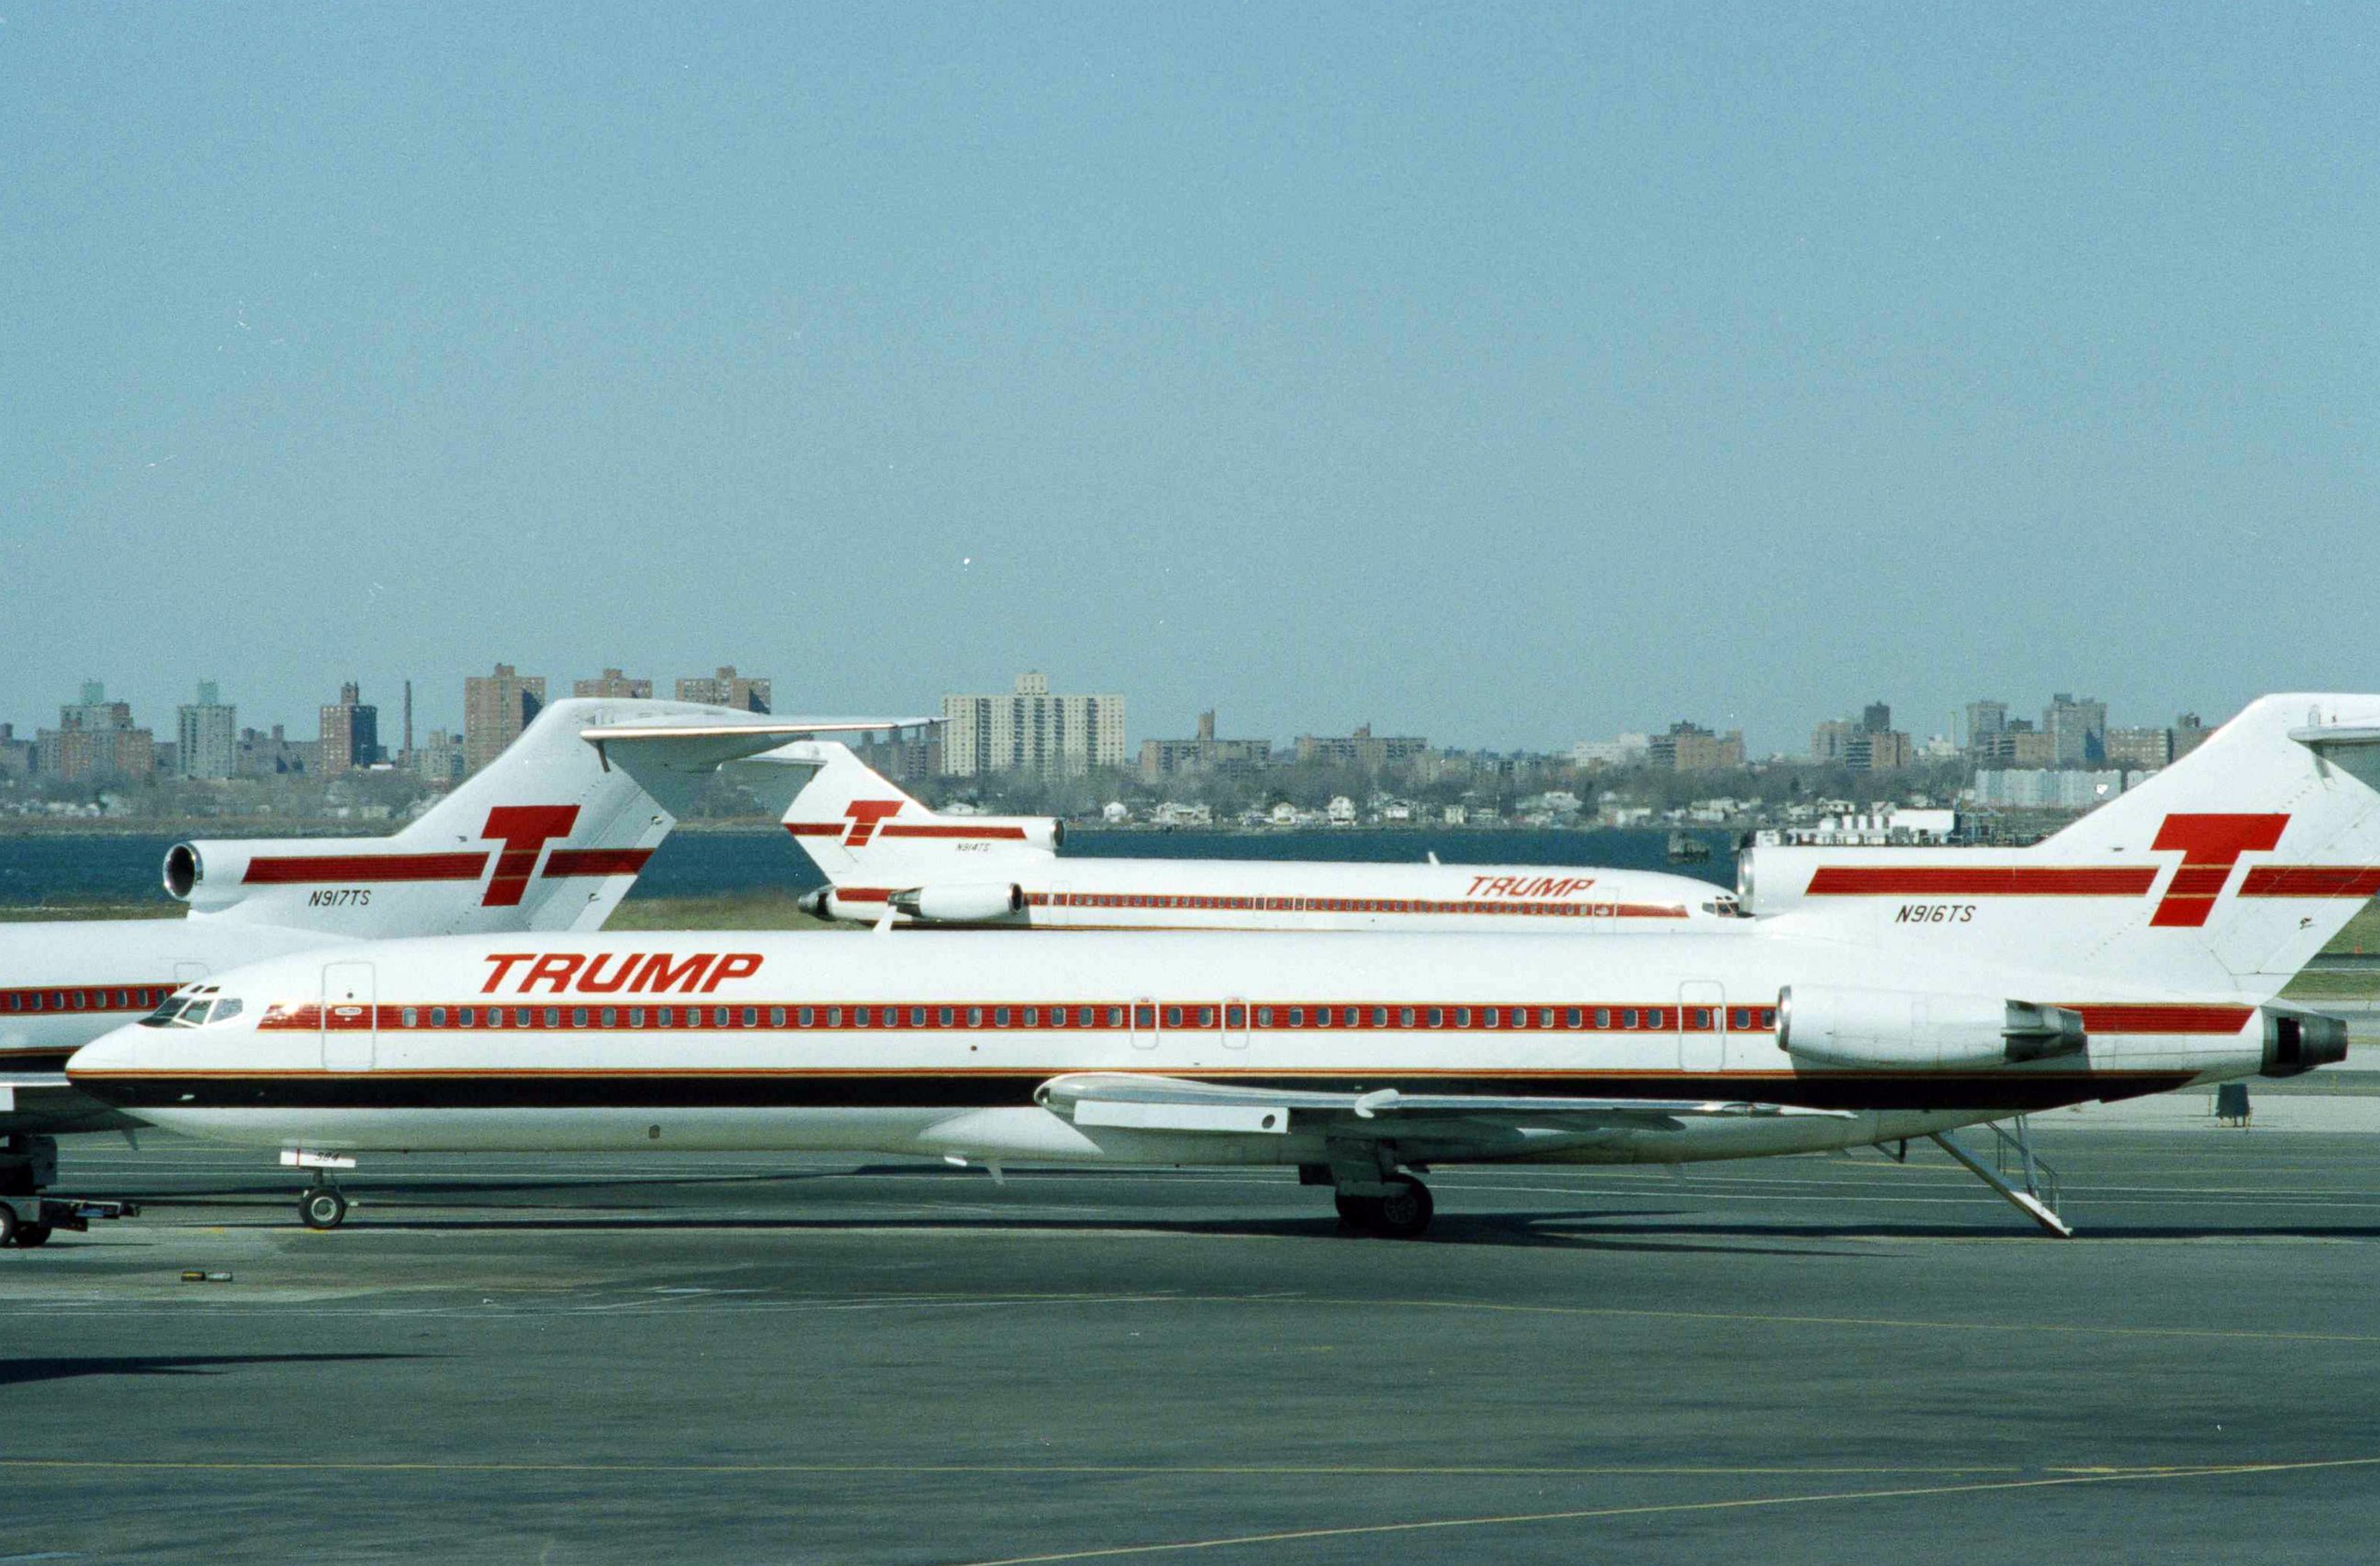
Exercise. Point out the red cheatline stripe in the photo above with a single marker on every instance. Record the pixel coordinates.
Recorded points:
(895, 829)
(1168, 902)
(364, 866)
(85, 998)
(2120, 1018)
(1960, 881)
(2311, 880)
(596, 861)
(817, 829)
(706, 1013)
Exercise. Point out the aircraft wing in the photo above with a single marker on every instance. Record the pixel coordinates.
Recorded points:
(14, 1084)
(1174, 1104)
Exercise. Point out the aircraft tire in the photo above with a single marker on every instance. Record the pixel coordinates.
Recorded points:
(323, 1209)
(1359, 1212)
(31, 1234)
(7, 1224)
(1404, 1215)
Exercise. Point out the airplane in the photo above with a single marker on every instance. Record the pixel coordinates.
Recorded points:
(548, 837)
(888, 858)
(2138, 951)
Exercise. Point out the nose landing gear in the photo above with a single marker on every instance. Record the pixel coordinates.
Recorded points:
(324, 1206)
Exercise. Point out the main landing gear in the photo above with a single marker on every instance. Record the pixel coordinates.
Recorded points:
(1402, 1214)
(1373, 1198)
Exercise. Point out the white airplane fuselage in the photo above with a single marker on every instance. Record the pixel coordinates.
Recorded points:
(937, 1043)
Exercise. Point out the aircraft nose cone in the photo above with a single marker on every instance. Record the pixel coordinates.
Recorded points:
(115, 1051)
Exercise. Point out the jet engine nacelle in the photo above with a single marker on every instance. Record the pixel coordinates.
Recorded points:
(2296, 1041)
(213, 875)
(1826, 1025)
(960, 905)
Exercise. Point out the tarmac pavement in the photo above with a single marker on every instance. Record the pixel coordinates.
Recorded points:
(696, 1359)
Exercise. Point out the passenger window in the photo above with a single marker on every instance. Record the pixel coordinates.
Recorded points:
(751, 1016)
(917, 1016)
(438, 1016)
(468, 1016)
(1437, 1016)
(1569, 1017)
(610, 1016)
(1546, 1017)
(1264, 1016)
(1462, 1016)
(834, 1016)
(999, 1016)
(1628, 1018)
(665, 1017)
(553, 1016)
(1404, 1016)
(1145, 1016)
(1739, 1018)
(635, 1016)
(1768, 1016)
(1493, 1017)
(578, 1016)
(409, 1017)
(1297, 1016)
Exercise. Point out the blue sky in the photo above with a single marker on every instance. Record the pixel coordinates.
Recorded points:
(1505, 374)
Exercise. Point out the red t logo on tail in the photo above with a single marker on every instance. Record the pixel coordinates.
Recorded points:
(2210, 845)
(866, 815)
(524, 830)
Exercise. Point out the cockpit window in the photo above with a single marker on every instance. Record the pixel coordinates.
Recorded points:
(194, 1010)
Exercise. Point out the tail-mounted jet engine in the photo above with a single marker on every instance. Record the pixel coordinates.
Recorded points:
(1829, 1025)
(2296, 1042)
(960, 905)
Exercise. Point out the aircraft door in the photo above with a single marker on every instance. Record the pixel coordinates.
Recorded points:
(350, 1021)
(1701, 1027)
(1052, 909)
(1235, 1024)
(1144, 1023)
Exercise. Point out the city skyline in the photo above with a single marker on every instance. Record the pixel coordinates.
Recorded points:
(1446, 363)
(725, 685)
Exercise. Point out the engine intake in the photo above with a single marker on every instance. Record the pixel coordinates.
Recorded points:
(1826, 1025)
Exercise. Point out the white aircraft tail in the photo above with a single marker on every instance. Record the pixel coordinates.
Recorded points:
(863, 831)
(2226, 871)
(549, 836)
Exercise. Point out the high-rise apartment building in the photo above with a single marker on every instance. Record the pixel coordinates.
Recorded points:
(1030, 730)
(1161, 759)
(2077, 730)
(726, 689)
(206, 737)
(1363, 750)
(1986, 720)
(613, 685)
(1690, 747)
(350, 733)
(95, 741)
(496, 707)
